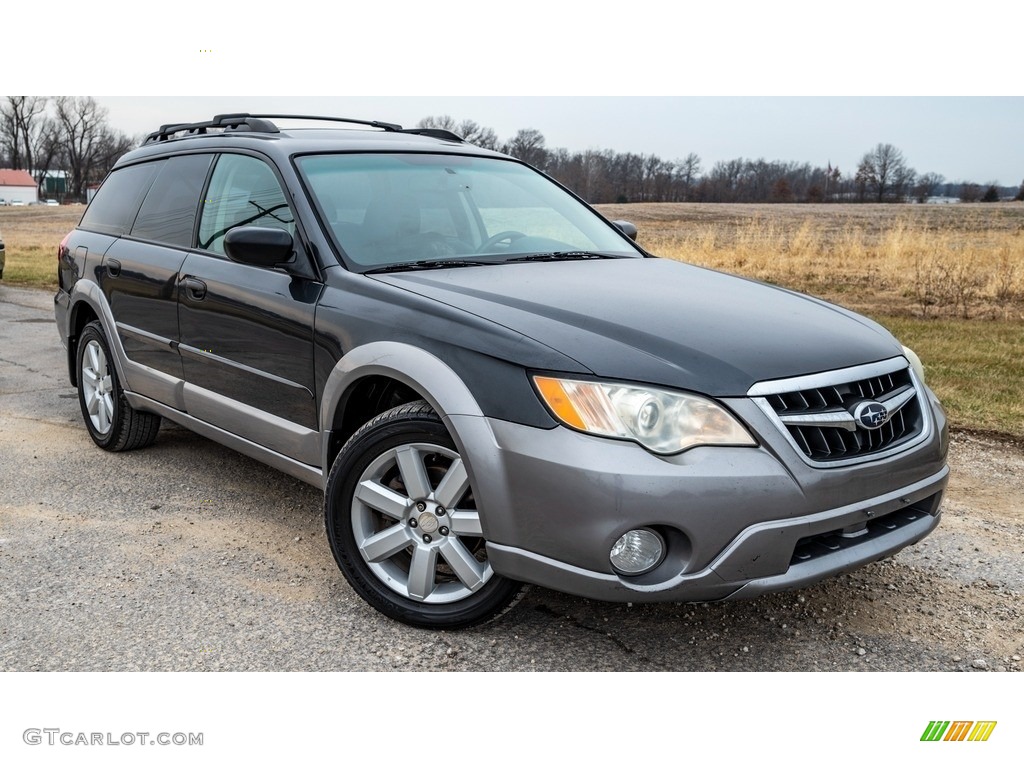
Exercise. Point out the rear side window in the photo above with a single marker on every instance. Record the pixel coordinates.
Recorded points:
(243, 191)
(168, 214)
(113, 209)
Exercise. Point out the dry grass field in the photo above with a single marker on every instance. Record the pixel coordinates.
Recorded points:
(913, 260)
(948, 280)
(31, 235)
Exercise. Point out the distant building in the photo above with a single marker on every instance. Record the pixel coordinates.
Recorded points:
(54, 183)
(18, 187)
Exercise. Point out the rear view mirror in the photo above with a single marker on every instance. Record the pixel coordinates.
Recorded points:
(258, 246)
(627, 228)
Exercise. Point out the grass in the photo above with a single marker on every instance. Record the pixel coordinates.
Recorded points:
(31, 235)
(976, 368)
(948, 281)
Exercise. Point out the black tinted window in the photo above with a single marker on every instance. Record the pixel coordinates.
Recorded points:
(168, 214)
(243, 191)
(113, 209)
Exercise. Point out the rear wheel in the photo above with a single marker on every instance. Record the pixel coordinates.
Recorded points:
(404, 527)
(112, 423)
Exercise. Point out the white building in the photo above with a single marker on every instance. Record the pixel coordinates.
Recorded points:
(18, 187)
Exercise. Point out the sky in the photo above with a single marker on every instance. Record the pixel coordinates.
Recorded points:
(968, 138)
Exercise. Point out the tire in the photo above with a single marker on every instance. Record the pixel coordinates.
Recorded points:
(112, 423)
(404, 528)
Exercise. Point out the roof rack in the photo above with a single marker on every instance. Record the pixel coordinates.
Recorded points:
(437, 133)
(243, 121)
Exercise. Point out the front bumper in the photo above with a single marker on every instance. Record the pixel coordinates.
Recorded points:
(737, 521)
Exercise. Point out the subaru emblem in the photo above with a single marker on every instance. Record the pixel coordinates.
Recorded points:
(871, 414)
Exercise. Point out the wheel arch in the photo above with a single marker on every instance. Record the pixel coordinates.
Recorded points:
(87, 304)
(372, 378)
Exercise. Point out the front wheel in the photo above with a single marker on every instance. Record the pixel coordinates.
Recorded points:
(404, 526)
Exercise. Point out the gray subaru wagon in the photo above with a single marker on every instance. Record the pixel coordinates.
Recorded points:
(492, 384)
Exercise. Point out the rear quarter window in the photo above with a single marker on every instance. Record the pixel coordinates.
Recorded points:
(113, 209)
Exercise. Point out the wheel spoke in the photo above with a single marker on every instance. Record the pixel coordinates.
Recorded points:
(421, 572)
(465, 522)
(105, 411)
(94, 358)
(466, 567)
(382, 499)
(453, 485)
(92, 402)
(90, 376)
(414, 474)
(385, 544)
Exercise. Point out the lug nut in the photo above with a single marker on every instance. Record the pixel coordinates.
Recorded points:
(421, 506)
(426, 538)
(443, 531)
(412, 522)
(440, 510)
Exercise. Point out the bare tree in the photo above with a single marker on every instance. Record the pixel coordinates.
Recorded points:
(688, 171)
(477, 134)
(88, 146)
(444, 122)
(927, 183)
(1020, 193)
(885, 174)
(21, 119)
(969, 192)
(470, 130)
(528, 146)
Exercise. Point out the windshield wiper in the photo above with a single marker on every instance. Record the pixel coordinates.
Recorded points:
(563, 256)
(408, 266)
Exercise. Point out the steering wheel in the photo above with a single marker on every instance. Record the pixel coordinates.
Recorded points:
(509, 234)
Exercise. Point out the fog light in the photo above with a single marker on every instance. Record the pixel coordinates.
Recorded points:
(637, 552)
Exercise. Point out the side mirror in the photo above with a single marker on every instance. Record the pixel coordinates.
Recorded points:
(627, 228)
(258, 246)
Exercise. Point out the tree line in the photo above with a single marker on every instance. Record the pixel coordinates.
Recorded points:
(71, 134)
(604, 176)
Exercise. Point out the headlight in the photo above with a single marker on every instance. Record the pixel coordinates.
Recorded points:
(661, 421)
(915, 363)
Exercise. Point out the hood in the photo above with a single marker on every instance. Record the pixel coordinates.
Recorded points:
(659, 321)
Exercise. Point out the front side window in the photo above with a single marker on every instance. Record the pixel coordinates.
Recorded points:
(243, 192)
(388, 209)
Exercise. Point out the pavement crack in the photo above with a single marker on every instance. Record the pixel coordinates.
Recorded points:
(618, 642)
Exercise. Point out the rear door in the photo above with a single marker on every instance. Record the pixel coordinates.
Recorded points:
(247, 332)
(139, 271)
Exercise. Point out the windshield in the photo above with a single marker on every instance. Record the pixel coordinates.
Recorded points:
(396, 209)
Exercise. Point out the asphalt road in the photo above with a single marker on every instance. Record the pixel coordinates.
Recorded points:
(188, 556)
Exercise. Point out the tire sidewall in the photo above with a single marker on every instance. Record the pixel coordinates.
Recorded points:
(93, 332)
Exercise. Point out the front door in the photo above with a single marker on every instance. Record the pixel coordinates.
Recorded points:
(247, 332)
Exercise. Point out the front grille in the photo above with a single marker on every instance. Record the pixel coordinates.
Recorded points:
(820, 418)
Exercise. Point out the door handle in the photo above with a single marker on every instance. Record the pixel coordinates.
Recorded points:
(195, 289)
(113, 267)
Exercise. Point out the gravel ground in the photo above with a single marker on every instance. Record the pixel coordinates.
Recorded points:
(188, 556)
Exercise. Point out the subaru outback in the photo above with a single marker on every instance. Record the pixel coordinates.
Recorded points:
(492, 384)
